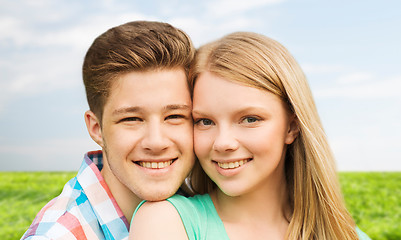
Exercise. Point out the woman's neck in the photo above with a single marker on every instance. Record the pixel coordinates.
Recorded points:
(262, 213)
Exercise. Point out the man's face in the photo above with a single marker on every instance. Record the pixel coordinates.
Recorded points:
(147, 133)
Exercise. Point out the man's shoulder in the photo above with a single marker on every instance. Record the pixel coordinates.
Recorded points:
(64, 216)
(85, 209)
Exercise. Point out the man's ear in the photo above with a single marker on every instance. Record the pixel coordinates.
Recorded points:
(293, 129)
(94, 127)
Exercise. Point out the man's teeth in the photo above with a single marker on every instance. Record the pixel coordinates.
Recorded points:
(156, 165)
(230, 165)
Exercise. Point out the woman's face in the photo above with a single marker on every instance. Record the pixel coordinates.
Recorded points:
(240, 135)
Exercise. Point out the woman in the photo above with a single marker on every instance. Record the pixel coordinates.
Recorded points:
(266, 170)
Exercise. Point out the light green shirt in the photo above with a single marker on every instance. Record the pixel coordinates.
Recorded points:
(200, 217)
(201, 220)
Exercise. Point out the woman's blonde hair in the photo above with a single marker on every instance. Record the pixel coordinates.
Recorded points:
(318, 209)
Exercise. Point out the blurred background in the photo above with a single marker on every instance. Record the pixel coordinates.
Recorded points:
(349, 50)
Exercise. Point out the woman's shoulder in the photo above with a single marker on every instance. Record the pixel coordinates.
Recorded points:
(191, 209)
(162, 208)
(161, 215)
(199, 216)
(197, 201)
(362, 235)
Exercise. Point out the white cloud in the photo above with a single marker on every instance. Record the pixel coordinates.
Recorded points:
(373, 153)
(309, 68)
(57, 55)
(228, 7)
(37, 3)
(340, 81)
(199, 31)
(355, 78)
(11, 29)
(51, 154)
(39, 73)
(56, 62)
(81, 35)
(202, 31)
(362, 85)
(76, 36)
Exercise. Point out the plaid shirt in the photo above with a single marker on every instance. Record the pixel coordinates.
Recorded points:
(85, 209)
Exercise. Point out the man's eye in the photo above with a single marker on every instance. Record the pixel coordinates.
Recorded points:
(176, 119)
(131, 119)
(204, 122)
(175, 116)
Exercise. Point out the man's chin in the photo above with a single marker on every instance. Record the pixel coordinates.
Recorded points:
(158, 195)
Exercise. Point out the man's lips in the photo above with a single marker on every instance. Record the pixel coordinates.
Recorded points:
(156, 163)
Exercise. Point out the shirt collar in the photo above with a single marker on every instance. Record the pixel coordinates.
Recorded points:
(109, 214)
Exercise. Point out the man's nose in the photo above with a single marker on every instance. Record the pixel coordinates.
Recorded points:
(155, 139)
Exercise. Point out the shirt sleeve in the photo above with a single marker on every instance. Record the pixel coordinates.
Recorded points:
(191, 218)
(36, 237)
(362, 235)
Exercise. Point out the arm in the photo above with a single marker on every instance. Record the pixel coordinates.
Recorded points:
(157, 220)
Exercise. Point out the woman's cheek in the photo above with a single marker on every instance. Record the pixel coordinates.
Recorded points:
(202, 144)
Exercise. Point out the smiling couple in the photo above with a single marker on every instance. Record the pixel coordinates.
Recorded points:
(263, 168)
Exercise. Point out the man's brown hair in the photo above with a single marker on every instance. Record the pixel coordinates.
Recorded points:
(133, 46)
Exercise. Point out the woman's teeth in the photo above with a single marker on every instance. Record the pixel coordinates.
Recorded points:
(231, 165)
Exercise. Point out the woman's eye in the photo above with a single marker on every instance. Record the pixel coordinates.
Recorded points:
(250, 119)
(204, 122)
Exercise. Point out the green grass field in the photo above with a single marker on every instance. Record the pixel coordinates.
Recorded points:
(374, 200)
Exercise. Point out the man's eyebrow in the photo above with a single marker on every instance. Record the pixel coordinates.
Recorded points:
(177, 107)
(170, 107)
(126, 110)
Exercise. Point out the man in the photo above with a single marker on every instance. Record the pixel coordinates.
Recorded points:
(135, 77)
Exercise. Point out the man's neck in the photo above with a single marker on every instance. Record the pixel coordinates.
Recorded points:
(125, 198)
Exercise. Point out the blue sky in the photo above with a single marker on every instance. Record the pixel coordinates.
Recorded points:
(349, 50)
